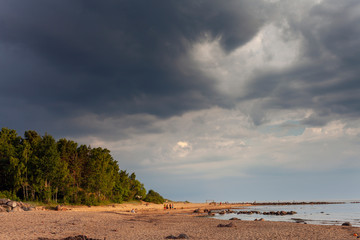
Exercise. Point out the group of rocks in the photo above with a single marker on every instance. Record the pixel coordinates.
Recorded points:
(278, 213)
(6, 205)
(212, 213)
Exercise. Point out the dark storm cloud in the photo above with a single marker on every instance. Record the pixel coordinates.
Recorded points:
(327, 79)
(114, 57)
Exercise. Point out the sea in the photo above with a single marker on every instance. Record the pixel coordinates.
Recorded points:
(320, 214)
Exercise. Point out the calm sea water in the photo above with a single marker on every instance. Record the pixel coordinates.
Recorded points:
(327, 214)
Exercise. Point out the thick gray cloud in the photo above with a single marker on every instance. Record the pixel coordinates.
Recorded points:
(114, 57)
(326, 77)
(241, 93)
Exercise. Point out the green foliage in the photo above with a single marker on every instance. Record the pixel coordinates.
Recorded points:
(154, 197)
(9, 195)
(36, 168)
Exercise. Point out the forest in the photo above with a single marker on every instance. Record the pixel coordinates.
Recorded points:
(39, 168)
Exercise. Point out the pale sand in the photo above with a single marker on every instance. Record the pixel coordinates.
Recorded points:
(153, 222)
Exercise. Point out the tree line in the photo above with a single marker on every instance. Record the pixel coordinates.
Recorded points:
(39, 168)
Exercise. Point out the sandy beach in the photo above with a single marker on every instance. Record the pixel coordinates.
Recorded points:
(153, 222)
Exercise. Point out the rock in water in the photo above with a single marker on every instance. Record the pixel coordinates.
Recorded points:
(347, 224)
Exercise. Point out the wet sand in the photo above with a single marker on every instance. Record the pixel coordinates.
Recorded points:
(153, 222)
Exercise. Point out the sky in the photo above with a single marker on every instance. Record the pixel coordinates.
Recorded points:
(237, 100)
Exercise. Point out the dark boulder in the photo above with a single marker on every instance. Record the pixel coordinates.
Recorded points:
(197, 210)
(171, 237)
(226, 225)
(181, 236)
(346, 224)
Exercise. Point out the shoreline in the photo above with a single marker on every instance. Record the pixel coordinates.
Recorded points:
(153, 222)
(142, 207)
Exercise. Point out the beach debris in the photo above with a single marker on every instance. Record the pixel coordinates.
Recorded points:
(234, 218)
(181, 236)
(78, 237)
(226, 225)
(348, 224)
(7, 205)
(222, 212)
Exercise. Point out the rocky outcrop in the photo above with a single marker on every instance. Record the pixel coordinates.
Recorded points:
(278, 213)
(6, 205)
